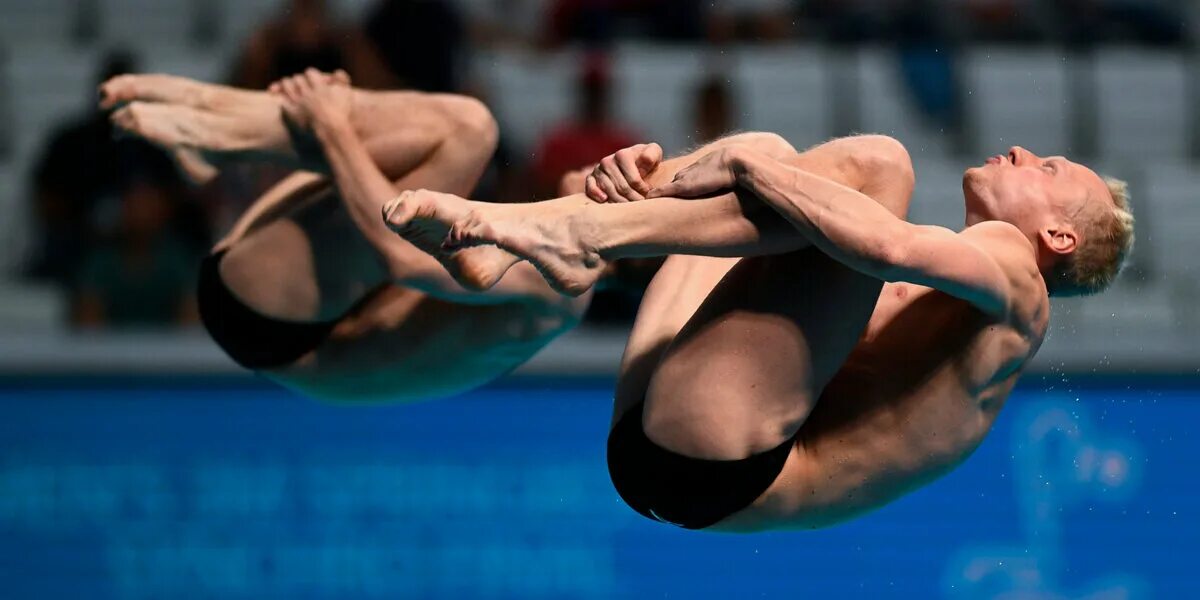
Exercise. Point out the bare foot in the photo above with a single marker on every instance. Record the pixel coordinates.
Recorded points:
(551, 235)
(205, 138)
(171, 89)
(178, 130)
(181, 91)
(174, 125)
(424, 218)
(124, 89)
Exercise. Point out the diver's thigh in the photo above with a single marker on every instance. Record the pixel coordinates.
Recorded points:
(677, 290)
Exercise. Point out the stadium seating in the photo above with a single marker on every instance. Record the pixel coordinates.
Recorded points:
(885, 105)
(1014, 95)
(1017, 97)
(784, 90)
(1142, 103)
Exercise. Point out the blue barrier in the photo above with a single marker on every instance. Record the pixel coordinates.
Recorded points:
(165, 492)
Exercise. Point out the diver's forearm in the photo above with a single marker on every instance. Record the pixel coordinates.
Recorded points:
(846, 224)
(364, 190)
(362, 186)
(875, 167)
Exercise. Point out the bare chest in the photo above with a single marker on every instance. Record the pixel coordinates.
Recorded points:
(917, 337)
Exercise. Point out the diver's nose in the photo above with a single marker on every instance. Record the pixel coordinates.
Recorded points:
(1019, 155)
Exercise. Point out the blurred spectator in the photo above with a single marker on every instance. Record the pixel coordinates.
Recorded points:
(593, 22)
(755, 20)
(495, 23)
(304, 35)
(76, 180)
(143, 276)
(597, 23)
(928, 62)
(670, 20)
(1157, 22)
(1003, 20)
(421, 41)
(713, 112)
(587, 138)
(853, 21)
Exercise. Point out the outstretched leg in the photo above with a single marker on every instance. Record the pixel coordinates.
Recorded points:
(780, 324)
(292, 256)
(571, 239)
(216, 124)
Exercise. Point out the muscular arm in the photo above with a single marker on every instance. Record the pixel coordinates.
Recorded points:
(852, 210)
(361, 184)
(565, 235)
(364, 189)
(738, 224)
(857, 231)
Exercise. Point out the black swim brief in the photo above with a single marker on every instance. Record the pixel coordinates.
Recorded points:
(679, 490)
(251, 339)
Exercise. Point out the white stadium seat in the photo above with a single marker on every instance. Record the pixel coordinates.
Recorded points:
(1142, 103)
(1168, 211)
(653, 92)
(529, 92)
(784, 90)
(146, 25)
(886, 106)
(50, 82)
(33, 21)
(1017, 97)
(14, 230)
(937, 199)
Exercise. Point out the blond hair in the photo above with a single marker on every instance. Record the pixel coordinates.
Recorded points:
(1106, 237)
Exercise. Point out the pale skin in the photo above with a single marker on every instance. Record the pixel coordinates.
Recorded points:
(882, 349)
(301, 252)
(313, 247)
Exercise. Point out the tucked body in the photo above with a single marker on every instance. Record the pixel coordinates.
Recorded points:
(309, 287)
(849, 356)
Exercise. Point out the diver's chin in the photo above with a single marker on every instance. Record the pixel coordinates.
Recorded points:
(974, 174)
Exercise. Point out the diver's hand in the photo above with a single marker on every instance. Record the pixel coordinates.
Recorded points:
(714, 172)
(620, 176)
(314, 98)
(338, 76)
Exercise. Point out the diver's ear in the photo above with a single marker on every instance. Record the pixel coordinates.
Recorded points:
(1060, 240)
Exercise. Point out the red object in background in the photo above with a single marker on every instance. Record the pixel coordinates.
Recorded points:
(590, 136)
(573, 146)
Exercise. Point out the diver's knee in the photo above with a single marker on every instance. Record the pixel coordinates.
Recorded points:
(475, 122)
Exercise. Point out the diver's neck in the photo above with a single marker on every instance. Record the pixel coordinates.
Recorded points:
(974, 219)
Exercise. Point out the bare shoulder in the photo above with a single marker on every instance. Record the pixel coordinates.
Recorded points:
(1004, 242)
(999, 232)
(1017, 258)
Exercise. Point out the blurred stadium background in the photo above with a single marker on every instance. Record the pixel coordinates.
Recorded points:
(135, 457)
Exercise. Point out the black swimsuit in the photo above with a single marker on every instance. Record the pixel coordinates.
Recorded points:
(679, 490)
(251, 339)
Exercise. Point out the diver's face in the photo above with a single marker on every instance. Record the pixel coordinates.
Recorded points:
(1028, 190)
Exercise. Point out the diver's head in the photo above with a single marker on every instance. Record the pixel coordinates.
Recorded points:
(1078, 221)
